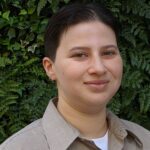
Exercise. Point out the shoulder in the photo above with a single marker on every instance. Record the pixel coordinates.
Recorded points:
(29, 137)
(141, 133)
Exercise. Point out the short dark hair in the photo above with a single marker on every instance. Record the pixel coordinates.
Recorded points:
(71, 15)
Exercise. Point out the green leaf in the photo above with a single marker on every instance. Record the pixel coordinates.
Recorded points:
(31, 10)
(54, 5)
(5, 15)
(4, 61)
(41, 5)
(23, 12)
(2, 133)
(2, 93)
(16, 46)
(16, 4)
(11, 33)
(32, 48)
(3, 110)
(66, 1)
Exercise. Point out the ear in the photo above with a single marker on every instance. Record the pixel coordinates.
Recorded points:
(48, 65)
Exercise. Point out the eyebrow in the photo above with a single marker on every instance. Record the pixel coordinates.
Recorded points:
(109, 46)
(85, 47)
(79, 48)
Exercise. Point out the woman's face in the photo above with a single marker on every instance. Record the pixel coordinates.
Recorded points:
(88, 65)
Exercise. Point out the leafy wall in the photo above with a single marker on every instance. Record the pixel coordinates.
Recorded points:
(24, 88)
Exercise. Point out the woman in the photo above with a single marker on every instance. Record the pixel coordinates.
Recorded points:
(82, 56)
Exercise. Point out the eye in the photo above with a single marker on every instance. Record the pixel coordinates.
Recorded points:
(80, 55)
(109, 53)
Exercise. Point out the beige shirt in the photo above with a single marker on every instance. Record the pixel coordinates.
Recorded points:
(52, 132)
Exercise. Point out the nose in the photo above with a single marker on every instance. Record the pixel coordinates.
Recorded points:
(97, 66)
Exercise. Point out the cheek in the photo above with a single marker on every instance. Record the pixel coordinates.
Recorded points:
(116, 68)
(69, 71)
(119, 69)
(75, 72)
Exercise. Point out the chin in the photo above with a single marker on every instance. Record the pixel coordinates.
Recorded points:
(97, 101)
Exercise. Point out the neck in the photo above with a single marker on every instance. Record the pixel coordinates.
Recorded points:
(91, 126)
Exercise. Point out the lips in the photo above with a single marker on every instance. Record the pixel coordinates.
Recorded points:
(97, 85)
(97, 82)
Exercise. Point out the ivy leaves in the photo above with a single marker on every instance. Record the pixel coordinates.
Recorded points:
(24, 88)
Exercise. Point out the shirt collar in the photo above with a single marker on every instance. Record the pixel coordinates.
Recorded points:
(58, 132)
(119, 129)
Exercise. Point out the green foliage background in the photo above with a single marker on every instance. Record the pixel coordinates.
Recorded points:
(24, 88)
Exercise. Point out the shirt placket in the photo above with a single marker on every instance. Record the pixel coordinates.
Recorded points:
(90, 144)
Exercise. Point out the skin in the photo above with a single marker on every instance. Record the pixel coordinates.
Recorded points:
(88, 72)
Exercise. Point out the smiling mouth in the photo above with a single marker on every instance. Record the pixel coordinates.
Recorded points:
(97, 85)
(97, 82)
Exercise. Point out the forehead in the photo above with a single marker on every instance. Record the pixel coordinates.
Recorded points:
(88, 32)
